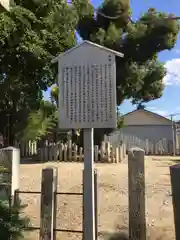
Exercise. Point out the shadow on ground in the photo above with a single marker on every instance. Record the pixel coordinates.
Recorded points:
(30, 160)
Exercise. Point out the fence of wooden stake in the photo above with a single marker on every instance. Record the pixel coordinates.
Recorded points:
(136, 178)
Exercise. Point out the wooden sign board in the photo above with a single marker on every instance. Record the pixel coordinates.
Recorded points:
(87, 83)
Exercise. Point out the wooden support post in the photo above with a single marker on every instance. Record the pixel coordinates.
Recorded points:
(65, 153)
(137, 216)
(108, 152)
(69, 150)
(48, 188)
(96, 204)
(102, 151)
(16, 200)
(124, 151)
(175, 178)
(88, 185)
(75, 153)
(61, 149)
(81, 157)
(117, 155)
(55, 184)
(96, 153)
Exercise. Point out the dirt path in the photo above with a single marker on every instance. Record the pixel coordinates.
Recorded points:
(112, 197)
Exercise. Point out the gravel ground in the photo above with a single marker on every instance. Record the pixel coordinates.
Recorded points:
(112, 198)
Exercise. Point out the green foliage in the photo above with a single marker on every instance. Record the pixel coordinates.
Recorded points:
(139, 73)
(41, 122)
(141, 106)
(120, 121)
(12, 223)
(54, 94)
(31, 34)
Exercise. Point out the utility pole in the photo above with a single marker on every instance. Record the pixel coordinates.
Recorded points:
(173, 131)
(173, 136)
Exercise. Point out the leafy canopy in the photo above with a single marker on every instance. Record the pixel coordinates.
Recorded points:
(139, 73)
(41, 122)
(31, 34)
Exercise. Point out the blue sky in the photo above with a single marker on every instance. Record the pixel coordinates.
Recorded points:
(170, 101)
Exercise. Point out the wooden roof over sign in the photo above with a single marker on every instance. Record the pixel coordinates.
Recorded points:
(119, 54)
(5, 4)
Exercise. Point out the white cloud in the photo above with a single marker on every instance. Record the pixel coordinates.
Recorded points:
(173, 72)
(177, 51)
(161, 112)
(177, 108)
(165, 112)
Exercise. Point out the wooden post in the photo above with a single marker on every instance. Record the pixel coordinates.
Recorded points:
(96, 203)
(96, 153)
(175, 177)
(16, 199)
(88, 183)
(75, 153)
(55, 201)
(61, 149)
(81, 154)
(136, 178)
(120, 153)
(117, 155)
(102, 151)
(48, 189)
(50, 147)
(124, 150)
(55, 151)
(65, 153)
(69, 150)
(110, 159)
(108, 152)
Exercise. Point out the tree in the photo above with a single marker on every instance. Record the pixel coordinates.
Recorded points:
(12, 225)
(141, 106)
(41, 123)
(31, 34)
(140, 73)
(54, 94)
